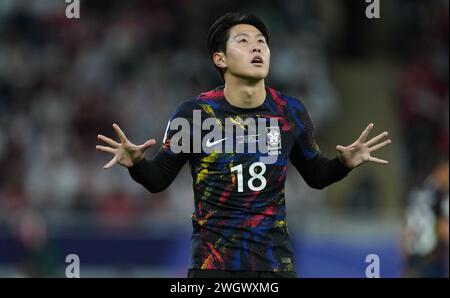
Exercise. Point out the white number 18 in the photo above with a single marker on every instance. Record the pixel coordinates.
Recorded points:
(255, 176)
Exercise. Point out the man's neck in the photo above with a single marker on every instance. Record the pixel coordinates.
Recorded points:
(242, 94)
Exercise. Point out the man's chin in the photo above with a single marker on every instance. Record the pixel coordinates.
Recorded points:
(255, 76)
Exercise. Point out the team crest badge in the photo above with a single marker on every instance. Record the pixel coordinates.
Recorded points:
(273, 138)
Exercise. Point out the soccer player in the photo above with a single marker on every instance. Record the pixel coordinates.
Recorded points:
(239, 226)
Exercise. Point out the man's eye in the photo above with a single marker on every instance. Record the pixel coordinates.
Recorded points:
(262, 41)
(243, 40)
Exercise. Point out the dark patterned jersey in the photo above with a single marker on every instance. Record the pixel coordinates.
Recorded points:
(239, 222)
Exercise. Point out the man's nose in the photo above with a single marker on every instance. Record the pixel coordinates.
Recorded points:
(256, 49)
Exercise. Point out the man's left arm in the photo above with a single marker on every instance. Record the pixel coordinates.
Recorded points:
(319, 171)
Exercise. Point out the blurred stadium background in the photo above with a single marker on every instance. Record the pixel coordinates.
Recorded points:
(63, 81)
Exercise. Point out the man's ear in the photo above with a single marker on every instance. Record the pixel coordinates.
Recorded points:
(220, 59)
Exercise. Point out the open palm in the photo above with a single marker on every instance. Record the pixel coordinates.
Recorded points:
(125, 153)
(360, 151)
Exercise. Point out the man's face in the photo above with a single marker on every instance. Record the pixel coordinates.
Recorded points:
(247, 53)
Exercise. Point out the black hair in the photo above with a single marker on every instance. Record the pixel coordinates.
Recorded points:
(219, 31)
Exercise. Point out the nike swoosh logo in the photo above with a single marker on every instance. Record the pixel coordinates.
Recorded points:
(210, 144)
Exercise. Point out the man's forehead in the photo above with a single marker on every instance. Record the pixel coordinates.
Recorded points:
(244, 29)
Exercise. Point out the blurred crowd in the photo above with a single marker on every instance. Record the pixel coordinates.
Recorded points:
(422, 48)
(424, 112)
(63, 81)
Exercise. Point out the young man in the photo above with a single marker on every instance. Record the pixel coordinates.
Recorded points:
(239, 219)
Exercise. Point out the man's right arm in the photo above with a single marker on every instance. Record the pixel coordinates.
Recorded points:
(157, 174)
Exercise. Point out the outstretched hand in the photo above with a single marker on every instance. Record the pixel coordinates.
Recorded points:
(125, 153)
(359, 152)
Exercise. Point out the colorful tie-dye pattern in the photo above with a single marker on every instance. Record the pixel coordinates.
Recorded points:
(246, 230)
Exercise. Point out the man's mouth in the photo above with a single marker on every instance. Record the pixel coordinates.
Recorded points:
(257, 60)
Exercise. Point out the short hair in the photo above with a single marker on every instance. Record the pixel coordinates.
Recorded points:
(219, 31)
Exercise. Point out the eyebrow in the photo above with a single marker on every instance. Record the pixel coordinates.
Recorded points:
(246, 34)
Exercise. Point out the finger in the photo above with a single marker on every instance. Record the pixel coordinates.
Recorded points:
(106, 149)
(110, 163)
(377, 160)
(120, 133)
(109, 141)
(365, 133)
(377, 138)
(340, 148)
(378, 146)
(147, 144)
